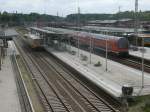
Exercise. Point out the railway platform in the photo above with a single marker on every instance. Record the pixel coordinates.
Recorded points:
(139, 54)
(112, 80)
(8, 94)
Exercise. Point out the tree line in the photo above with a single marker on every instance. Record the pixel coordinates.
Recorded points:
(20, 18)
(144, 16)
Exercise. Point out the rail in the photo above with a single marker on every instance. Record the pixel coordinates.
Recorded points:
(51, 91)
(25, 101)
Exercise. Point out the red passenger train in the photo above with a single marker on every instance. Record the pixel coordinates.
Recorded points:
(117, 45)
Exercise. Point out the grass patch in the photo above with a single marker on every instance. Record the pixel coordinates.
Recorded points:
(140, 104)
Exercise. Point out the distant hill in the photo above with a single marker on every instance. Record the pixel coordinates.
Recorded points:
(145, 16)
(20, 18)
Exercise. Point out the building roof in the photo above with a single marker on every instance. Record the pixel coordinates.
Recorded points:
(42, 30)
(79, 33)
(125, 20)
(98, 36)
(109, 21)
(59, 30)
(103, 21)
(110, 29)
(8, 33)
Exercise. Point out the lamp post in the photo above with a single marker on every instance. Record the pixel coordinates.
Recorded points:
(1, 51)
(69, 38)
(106, 53)
(0, 57)
(142, 62)
(136, 22)
(78, 44)
(90, 49)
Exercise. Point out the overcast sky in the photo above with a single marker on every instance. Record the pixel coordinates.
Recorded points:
(65, 7)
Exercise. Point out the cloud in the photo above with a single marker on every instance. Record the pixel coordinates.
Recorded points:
(65, 7)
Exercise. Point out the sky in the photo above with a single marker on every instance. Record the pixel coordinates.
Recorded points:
(65, 7)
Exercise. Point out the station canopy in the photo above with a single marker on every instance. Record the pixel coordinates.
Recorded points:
(8, 34)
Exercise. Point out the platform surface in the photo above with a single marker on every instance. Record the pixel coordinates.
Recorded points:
(139, 54)
(9, 101)
(12, 48)
(112, 80)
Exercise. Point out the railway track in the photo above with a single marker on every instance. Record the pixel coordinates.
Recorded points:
(36, 76)
(59, 90)
(130, 61)
(77, 87)
(81, 79)
(133, 62)
(25, 101)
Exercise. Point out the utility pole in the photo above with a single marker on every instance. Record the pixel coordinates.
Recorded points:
(136, 25)
(106, 52)
(119, 9)
(143, 51)
(1, 51)
(0, 57)
(78, 24)
(91, 48)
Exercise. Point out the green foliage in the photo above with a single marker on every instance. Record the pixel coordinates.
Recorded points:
(98, 64)
(121, 15)
(146, 107)
(19, 18)
(140, 104)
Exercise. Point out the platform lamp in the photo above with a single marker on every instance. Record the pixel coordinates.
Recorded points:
(69, 40)
(78, 45)
(91, 48)
(1, 51)
(78, 25)
(143, 51)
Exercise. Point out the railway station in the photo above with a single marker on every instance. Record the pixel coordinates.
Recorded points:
(8, 94)
(92, 73)
(74, 58)
(97, 68)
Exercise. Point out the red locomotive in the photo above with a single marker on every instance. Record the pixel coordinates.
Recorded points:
(117, 45)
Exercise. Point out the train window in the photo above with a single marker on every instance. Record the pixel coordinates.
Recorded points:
(123, 43)
(146, 39)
